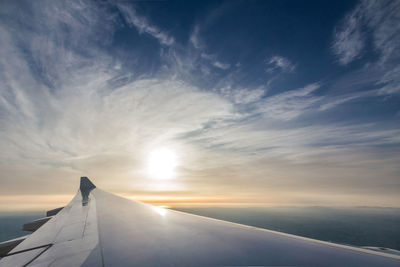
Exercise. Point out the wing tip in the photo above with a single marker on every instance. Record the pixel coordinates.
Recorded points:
(85, 188)
(86, 184)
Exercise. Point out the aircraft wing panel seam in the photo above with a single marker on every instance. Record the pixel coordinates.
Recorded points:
(28, 249)
(38, 255)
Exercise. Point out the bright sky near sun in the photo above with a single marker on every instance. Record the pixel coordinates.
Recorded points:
(162, 163)
(201, 102)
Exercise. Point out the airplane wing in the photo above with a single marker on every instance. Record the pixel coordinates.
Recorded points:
(101, 229)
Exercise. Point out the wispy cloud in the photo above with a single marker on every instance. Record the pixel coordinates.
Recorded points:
(290, 104)
(221, 65)
(371, 27)
(334, 101)
(214, 61)
(195, 39)
(382, 18)
(280, 63)
(349, 40)
(376, 19)
(242, 96)
(390, 82)
(143, 25)
(83, 118)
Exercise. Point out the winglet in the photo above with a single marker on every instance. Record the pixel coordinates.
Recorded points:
(86, 184)
(85, 187)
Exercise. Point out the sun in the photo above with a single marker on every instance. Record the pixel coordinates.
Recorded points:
(162, 163)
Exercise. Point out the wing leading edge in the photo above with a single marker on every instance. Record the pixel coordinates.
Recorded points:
(101, 229)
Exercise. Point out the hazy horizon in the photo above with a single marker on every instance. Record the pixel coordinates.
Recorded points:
(35, 203)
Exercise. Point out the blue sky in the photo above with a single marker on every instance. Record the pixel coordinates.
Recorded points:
(261, 102)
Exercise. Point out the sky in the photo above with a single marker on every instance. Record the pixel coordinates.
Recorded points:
(201, 103)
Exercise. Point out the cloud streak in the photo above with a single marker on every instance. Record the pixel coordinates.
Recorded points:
(291, 104)
(379, 19)
(280, 63)
(143, 26)
(349, 38)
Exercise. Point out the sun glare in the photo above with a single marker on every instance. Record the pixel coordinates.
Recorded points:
(162, 163)
(160, 210)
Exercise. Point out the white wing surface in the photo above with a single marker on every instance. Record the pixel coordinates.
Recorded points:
(101, 229)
